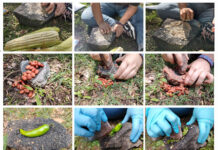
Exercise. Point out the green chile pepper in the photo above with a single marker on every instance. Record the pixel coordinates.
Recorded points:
(36, 132)
(116, 129)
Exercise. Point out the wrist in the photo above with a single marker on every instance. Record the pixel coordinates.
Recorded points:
(208, 59)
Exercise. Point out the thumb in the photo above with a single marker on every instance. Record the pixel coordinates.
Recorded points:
(120, 59)
(191, 121)
(103, 116)
(126, 118)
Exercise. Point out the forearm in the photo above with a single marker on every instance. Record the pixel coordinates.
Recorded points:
(96, 10)
(131, 10)
(182, 5)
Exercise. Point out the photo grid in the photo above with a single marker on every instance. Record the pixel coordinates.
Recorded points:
(108, 75)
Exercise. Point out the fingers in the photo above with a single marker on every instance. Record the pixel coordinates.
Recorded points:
(179, 59)
(191, 121)
(103, 115)
(204, 130)
(188, 75)
(50, 8)
(83, 132)
(155, 131)
(120, 58)
(182, 15)
(88, 122)
(165, 126)
(201, 78)
(131, 74)
(139, 125)
(121, 69)
(168, 58)
(126, 118)
(209, 77)
(174, 121)
(96, 57)
(60, 9)
(135, 128)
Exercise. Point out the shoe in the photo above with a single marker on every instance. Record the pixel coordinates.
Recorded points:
(129, 30)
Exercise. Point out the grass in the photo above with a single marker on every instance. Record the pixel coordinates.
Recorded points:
(61, 115)
(203, 95)
(58, 89)
(88, 90)
(12, 28)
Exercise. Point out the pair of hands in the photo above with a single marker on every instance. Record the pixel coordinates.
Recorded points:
(199, 70)
(187, 14)
(50, 7)
(161, 122)
(105, 28)
(91, 118)
(129, 66)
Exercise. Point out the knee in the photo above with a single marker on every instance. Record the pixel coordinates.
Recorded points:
(87, 15)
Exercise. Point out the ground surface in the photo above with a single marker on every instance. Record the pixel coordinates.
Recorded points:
(12, 28)
(82, 143)
(128, 92)
(57, 91)
(203, 95)
(153, 23)
(60, 115)
(159, 144)
(81, 34)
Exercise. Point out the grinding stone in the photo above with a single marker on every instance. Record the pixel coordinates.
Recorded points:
(32, 14)
(41, 78)
(98, 41)
(56, 138)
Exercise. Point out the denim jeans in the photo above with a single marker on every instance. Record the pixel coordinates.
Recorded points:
(203, 12)
(109, 11)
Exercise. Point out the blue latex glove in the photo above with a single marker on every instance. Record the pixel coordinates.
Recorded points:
(136, 114)
(161, 121)
(88, 121)
(205, 118)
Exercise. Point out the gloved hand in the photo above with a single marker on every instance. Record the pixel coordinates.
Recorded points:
(88, 121)
(160, 122)
(136, 115)
(205, 118)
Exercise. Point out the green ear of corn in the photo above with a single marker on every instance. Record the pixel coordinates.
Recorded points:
(64, 46)
(42, 39)
(45, 29)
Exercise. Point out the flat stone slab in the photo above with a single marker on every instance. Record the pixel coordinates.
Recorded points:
(189, 141)
(55, 139)
(32, 14)
(175, 34)
(120, 140)
(41, 78)
(98, 41)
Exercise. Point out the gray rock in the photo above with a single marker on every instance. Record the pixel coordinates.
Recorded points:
(56, 138)
(32, 14)
(41, 78)
(120, 140)
(189, 141)
(98, 41)
(175, 34)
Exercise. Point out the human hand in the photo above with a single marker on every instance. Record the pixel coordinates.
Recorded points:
(161, 121)
(205, 118)
(129, 66)
(89, 118)
(213, 22)
(51, 6)
(136, 114)
(199, 70)
(186, 14)
(118, 29)
(174, 58)
(104, 27)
